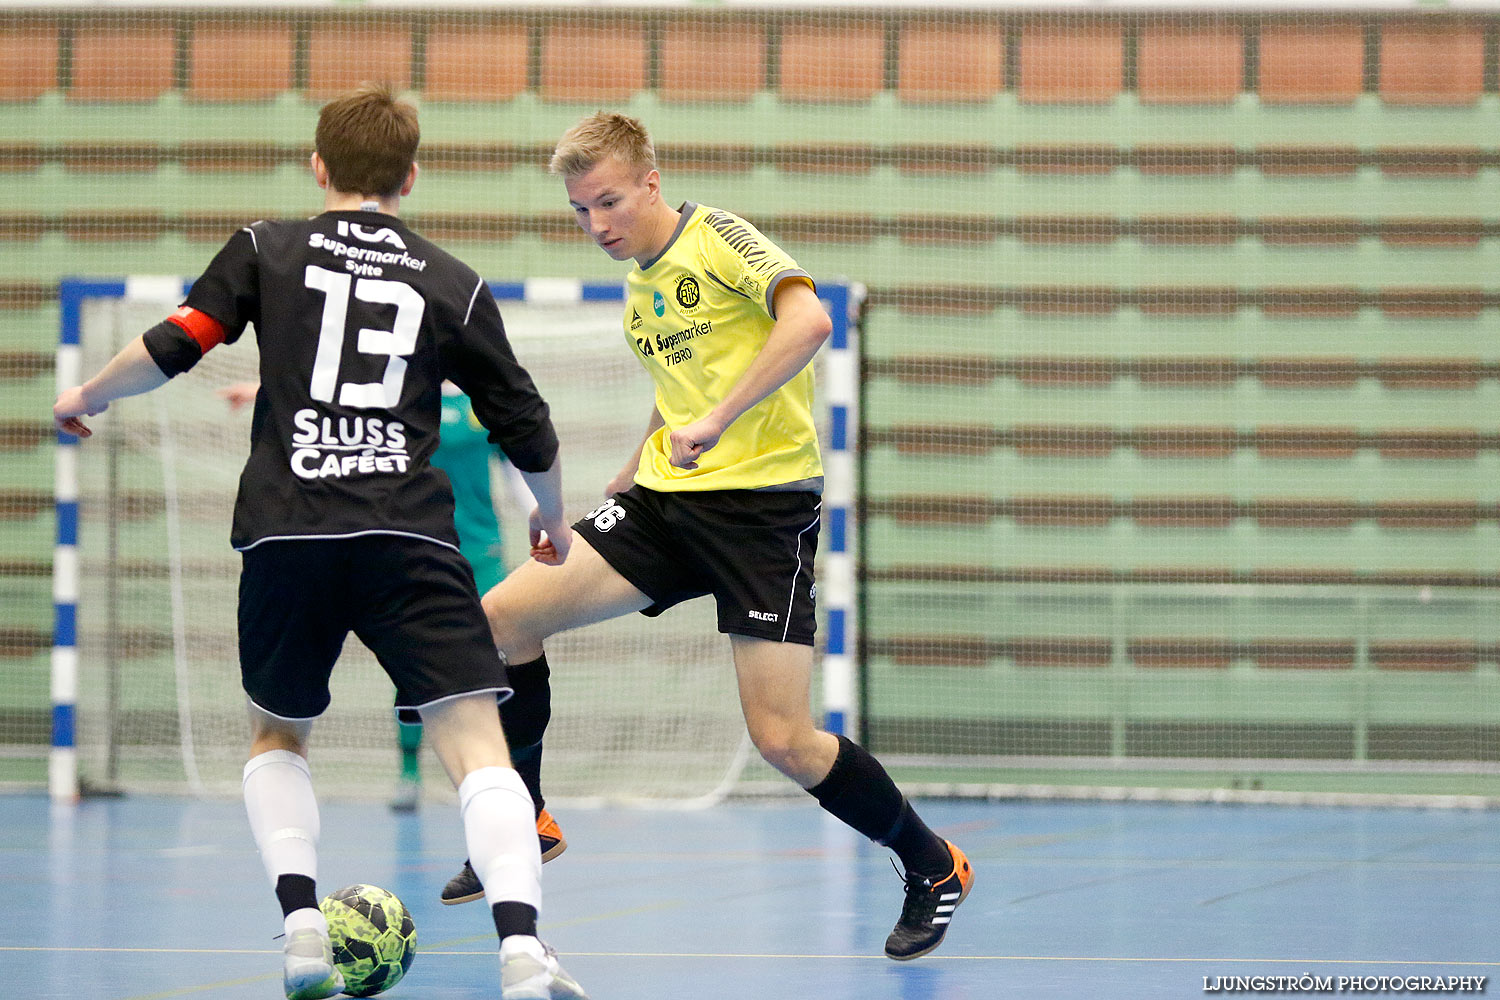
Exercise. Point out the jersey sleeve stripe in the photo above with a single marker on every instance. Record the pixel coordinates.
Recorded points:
(474, 295)
(793, 273)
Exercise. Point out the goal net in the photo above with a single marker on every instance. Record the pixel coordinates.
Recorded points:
(643, 708)
(1179, 445)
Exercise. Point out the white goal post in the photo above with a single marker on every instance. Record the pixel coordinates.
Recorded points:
(145, 681)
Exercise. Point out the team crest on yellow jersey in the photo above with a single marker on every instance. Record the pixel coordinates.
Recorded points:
(688, 292)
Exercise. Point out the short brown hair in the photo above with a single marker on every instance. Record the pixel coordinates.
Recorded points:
(600, 135)
(368, 140)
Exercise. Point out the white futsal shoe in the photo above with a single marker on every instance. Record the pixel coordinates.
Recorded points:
(307, 966)
(529, 971)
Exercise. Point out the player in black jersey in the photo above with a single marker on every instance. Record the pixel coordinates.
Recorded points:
(346, 526)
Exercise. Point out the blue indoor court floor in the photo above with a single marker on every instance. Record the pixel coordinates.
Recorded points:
(147, 898)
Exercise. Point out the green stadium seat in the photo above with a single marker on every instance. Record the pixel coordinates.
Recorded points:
(712, 59)
(832, 59)
(25, 364)
(1204, 230)
(1310, 161)
(116, 60)
(26, 295)
(1438, 443)
(23, 226)
(1097, 229)
(233, 59)
(120, 157)
(950, 60)
(1297, 303)
(1462, 233)
(344, 52)
(20, 642)
(24, 435)
(1300, 654)
(1428, 374)
(1071, 61)
(28, 57)
(1432, 161)
(1318, 61)
(1425, 655)
(1431, 63)
(713, 158)
(485, 61)
(1082, 158)
(599, 61)
(1181, 653)
(1432, 303)
(958, 158)
(21, 157)
(121, 225)
(843, 158)
(1184, 160)
(231, 156)
(1309, 231)
(1190, 61)
(1181, 441)
(1315, 443)
(1308, 372)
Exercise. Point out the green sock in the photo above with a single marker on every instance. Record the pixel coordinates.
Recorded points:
(410, 737)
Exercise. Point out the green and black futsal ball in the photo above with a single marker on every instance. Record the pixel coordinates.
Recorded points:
(374, 939)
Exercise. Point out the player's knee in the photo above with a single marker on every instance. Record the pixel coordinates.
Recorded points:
(508, 626)
(782, 746)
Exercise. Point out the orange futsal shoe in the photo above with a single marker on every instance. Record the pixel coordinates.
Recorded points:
(549, 836)
(465, 887)
(928, 909)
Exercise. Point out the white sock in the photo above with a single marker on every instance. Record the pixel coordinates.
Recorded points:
(500, 831)
(522, 943)
(283, 813)
(308, 916)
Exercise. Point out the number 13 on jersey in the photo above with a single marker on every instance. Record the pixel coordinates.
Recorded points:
(396, 343)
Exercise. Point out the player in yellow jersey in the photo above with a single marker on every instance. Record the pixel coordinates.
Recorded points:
(723, 495)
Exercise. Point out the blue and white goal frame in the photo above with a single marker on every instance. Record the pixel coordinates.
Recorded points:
(837, 579)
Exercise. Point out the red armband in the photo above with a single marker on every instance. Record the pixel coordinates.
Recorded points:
(206, 331)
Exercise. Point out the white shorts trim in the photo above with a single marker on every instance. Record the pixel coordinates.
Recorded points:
(352, 534)
(499, 697)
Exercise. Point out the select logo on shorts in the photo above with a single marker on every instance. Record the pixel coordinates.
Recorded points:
(658, 304)
(606, 516)
(688, 292)
(764, 616)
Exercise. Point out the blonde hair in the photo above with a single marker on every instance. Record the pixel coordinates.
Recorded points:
(368, 140)
(601, 135)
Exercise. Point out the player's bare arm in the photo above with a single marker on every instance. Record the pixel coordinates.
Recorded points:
(551, 535)
(129, 373)
(801, 328)
(626, 476)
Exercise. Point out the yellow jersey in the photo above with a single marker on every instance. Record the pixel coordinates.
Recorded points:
(696, 317)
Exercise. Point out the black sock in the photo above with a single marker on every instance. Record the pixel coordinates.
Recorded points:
(528, 764)
(296, 892)
(514, 918)
(524, 717)
(859, 792)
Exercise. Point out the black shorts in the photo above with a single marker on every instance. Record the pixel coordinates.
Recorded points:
(752, 549)
(411, 601)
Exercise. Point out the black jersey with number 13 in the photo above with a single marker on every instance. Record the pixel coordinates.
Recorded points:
(359, 320)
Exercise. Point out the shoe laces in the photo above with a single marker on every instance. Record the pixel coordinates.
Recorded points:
(921, 902)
